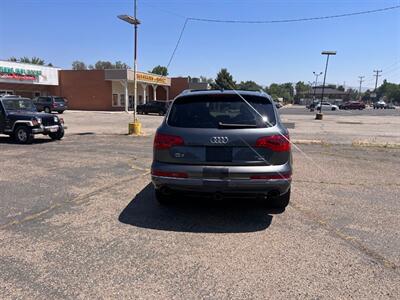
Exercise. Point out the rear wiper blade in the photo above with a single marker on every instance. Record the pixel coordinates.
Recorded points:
(236, 126)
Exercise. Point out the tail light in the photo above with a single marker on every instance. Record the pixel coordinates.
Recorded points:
(272, 176)
(277, 143)
(166, 141)
(169, 174)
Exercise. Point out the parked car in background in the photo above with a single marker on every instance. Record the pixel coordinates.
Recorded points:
(153, 107)
(352, 105)
(313, 104)
(390, 106)
(327, 106)
(49, 104)
(379, 105)
(20, 120)
(223, 143)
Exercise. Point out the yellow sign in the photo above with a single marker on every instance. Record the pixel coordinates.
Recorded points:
(156, 79)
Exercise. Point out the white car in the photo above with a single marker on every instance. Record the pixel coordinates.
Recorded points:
(327, 105)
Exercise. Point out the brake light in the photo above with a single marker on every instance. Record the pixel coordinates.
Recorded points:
(169, 174)
(273, 176)
(277, 143)
(166, 141)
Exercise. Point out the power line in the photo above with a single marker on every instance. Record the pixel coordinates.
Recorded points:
(178, 42)
(295, 20)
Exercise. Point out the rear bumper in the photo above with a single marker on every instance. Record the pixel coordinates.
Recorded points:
(237, 182)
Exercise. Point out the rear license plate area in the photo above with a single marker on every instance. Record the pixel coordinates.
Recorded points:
(215, 173)
(218, 154)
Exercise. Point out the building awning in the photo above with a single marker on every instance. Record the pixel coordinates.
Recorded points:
(142, 77)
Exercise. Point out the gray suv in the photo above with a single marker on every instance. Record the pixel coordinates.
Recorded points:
(223, 143)
(49, 104)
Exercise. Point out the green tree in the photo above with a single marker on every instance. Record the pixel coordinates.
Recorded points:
(160, 70)
(248, 86)
(366, 96)
(302, 88)
(37, 61)
(102, 65)
(224, 80)
(390, 91)
(34, 60)
(340, 88)
(25, 59)
(285, 91)
(352, 94)
(78, 65)
(121, 65)
(205, 79)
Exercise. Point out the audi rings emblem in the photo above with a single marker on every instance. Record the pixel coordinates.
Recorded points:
(219, 140)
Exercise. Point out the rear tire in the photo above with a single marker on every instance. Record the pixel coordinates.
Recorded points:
(61, 111)
(57, 135)
(280, 202)
(23, 135)
(47, 110)
(162, 198)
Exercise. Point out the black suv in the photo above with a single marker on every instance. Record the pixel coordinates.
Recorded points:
(50, 103)
(20, 120)
(155, 107)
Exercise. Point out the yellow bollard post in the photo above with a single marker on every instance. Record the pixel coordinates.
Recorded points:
(135, 128)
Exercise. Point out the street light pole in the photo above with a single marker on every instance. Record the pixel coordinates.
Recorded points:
(134, 127)
(135, 66)
(318, 116)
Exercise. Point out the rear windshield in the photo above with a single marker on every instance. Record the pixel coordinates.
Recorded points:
(59, 100)
(212, 111)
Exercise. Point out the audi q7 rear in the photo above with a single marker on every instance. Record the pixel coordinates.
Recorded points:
(223, 143)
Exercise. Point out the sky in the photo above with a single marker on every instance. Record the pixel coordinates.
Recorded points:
(61, 31)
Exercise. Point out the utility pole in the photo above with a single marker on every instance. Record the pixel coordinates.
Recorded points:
(377, 75)
(361, 81)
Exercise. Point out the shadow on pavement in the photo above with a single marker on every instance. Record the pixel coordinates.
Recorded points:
(36, 140)
(187, 214)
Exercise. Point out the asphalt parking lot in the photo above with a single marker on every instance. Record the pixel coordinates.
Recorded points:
(78, 218)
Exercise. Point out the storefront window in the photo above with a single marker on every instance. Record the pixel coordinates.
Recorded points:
(130, 106)
(114, 100)
(122, 99)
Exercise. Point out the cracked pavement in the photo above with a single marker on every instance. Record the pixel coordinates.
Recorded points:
(78, 219)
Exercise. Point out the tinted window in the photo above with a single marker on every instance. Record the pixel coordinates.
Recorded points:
(209, 111)
(59, 100)
(45, 99)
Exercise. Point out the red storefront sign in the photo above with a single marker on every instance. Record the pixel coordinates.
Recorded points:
(14, 76)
